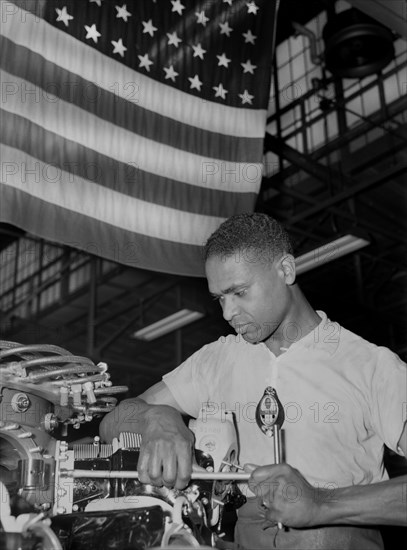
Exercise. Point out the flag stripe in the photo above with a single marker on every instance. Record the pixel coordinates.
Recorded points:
(77, 125)
(100, 153)
(85, 197)
(54, 82)
(106, 73)
(99, 238)
(56, 152)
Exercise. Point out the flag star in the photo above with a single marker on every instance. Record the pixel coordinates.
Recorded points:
(98, 2)
(223, 60)
(246, 97)
(149, 27)
(145, 62)
(119, 47)
(252, 7)
(173, 39)
(249, 37)
(199, 51)
(201, 18)
(122, 12)
(225, 29)
(195, 83)
(177, 6)
(220, 91)
(170, 73)
(63, 16)
(248, 67)
(92, 32)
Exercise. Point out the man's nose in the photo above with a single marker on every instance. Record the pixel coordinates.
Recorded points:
(229, 307)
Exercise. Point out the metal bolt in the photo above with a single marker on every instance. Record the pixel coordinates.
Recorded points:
(24, 435)
(35, 450)
(20, 402)
(11, 427)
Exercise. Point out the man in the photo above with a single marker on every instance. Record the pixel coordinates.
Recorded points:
(343, 399)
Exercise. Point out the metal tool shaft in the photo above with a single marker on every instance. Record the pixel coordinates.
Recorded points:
(132, 474)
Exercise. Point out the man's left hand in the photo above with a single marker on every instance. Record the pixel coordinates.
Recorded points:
(286, 496)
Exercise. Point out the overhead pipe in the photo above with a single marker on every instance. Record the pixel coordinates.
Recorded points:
(316, 59)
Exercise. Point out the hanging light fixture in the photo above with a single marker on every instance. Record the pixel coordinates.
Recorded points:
(329, 252)
(356, 45)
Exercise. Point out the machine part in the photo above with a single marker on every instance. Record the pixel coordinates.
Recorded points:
(87, 495)
(135, 528)
(20, 402)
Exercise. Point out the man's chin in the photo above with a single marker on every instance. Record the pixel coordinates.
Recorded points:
(249, 337)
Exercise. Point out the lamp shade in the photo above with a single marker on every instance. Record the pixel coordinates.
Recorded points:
(356, 45)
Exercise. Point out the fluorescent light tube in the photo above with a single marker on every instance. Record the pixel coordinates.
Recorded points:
(167, 324)
(329, 252)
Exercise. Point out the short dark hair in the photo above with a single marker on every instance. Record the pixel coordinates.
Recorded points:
(254, 236)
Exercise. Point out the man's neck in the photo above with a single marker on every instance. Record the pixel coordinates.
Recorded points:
(301, 320)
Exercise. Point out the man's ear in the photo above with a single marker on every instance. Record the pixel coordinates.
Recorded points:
(287, 265)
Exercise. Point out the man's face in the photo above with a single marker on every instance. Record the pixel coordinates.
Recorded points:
(253, 295)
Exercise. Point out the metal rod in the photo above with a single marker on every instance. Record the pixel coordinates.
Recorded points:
(277, 454)
(132, 474)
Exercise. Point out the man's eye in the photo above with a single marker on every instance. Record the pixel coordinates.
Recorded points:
(241, 292)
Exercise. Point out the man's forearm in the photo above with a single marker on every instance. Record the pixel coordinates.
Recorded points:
(131, 415)
(382, 503)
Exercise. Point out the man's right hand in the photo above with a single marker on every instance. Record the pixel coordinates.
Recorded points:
(167, 448)
(167, 444)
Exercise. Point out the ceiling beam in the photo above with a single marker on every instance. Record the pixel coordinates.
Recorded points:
(324, 174)
(376, 119)
(353, 189)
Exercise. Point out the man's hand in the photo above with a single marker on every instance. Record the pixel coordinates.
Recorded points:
(286, 496)
(167, 448)
(167, 444)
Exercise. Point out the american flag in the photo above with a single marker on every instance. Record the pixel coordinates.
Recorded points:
(132, 129)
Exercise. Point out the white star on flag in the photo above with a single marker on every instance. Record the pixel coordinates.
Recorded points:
(225, 29)
(201, 18)
(145, 62)
(92, 32)
(195, 83)
(149, 27)
(223, 60)
(220, 91)
(173, 39)
(198, 51)
(119, 47)
(252, 7)
(122, 12)
(177, 6)
(249, 37)
(248, 67)
(63, 16)
(170, 73)
(98, 2)
(246, 97)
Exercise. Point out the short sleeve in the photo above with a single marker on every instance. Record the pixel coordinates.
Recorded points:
(389, 397)
(187, 384)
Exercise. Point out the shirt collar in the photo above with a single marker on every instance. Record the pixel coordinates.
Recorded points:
(324, 337)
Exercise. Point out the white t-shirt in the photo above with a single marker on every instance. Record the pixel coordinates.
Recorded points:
(343, 398)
